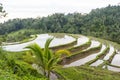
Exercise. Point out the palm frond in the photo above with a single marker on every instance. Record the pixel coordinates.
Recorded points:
(50, 63)
(47, 52)
(37, 50)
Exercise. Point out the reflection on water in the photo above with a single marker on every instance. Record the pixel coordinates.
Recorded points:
(81, 40)
(98, 62)
(94, 44)
(111, 51)
(113, 68)
(86, 59)
(40, 40)
(116, 60)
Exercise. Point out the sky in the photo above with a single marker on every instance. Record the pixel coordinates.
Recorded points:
(40, 8)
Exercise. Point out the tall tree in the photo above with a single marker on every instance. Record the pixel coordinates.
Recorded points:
(2, 12)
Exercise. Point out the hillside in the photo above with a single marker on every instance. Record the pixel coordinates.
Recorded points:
(102, 23)
(91, 40)
(90, 59)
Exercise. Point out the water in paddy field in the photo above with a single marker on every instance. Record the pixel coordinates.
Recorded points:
(40, 40)
(94, 44)
(116, 60)
(113, 68)
(81, 40)
(98, 62)
(86, 59)
(111, 51)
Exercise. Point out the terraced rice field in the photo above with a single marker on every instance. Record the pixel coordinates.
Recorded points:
(84, 50)
(116, 60)
(40, 40)
(82, 61)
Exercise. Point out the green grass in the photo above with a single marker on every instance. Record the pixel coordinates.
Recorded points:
(18, 70)
(20, 36)
(87, 73)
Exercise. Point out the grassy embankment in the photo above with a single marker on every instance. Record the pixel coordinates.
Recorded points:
(20, 36)
(86, 73)
(81, 54)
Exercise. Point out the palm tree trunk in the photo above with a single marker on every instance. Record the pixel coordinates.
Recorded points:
(48, 75)
(44, 72)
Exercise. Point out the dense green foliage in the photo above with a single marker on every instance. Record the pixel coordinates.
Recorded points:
(21, 35)
(12, 67)
(103, 23)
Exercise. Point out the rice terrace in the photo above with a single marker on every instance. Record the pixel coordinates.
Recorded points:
(59, 40)
(84, 51)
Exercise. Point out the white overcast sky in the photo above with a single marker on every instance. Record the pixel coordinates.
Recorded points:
(39, 8)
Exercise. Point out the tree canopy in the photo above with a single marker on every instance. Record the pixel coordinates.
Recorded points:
(2, 12)
(102, 23)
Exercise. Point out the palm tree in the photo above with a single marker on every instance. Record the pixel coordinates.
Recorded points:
(47, 60)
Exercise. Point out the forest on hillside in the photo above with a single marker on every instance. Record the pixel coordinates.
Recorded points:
(103, 23)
